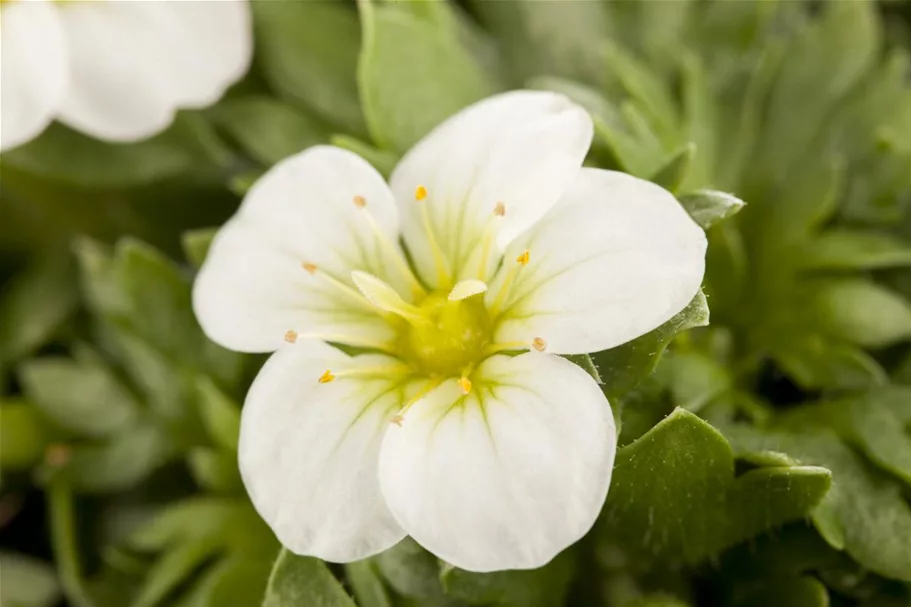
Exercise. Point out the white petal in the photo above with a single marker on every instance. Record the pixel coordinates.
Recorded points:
(33, 70)
(135, 63)
(522, 149)
(508, 481)
(210, 45)
(617, 257)
(253, 286)
(309, 451)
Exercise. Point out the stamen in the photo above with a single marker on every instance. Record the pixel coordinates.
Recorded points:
(385, 297)
(391, 250)
(374, 371)
(487, 239)
(430, 385)
(349, 339)
(507, 346)
(337, 284)
(465, 384)
(439, 259)
(521, 261)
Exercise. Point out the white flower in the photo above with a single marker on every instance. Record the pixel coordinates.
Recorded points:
(116, 70)
(458, 424)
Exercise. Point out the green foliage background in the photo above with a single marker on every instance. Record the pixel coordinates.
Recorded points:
(765, 456)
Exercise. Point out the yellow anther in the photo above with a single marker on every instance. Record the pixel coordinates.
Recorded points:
(420, 193)
(539, 344)
(360, 202)
(326, 377)
(290, 336)
(524, 257)
(310, 267)
(499, 210)
(465, 385)
(397, 419)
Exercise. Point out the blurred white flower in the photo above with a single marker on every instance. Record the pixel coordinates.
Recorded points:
(116, 70)
(455, 422)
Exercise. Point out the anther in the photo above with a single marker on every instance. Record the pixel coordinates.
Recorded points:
(465, 385)
(420, 193)
(397, 419)
(290, 336)
(326, 377)
(538, 344)
(310, 267)
(524, 257)
(360, 202)
(499, 210)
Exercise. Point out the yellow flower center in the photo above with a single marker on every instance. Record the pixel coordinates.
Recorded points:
(451, 340)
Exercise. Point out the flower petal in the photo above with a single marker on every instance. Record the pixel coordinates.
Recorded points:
(284, 262)
(309, 451)
(616, 258)
(33, 70)
(522, 149)
(135, 63)
(509, 475)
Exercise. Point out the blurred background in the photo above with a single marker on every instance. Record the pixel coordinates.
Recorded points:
(786, 480)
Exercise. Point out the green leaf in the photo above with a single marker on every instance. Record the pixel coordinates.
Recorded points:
(708, 207)
(220, 415)
(876, 422)
(674, 172)
(550, 38)
(367, 584)
(215, 470)
(116, 465)
(622, 367)
(863, 511)
(695, 379)
(862, 312)
(412, 76)
(648, 90)
(267, 129)
(85, 397)
(848, 249)
(824, 61)
(682, 470)
(61, 153)
(308, 53)
(301, 580)
(700, 122)
(382, 160)
(172, 569)
(543, 587)
(24, 435)
(410, 570)
(586, 363)
(33, 305)
(186, 520)
(196, 244)
(804, 591)
(27, 582)
(815, 362)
